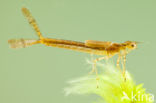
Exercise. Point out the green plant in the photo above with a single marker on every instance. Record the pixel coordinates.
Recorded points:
(112, 87)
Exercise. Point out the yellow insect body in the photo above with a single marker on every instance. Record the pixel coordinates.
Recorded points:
(105, 48)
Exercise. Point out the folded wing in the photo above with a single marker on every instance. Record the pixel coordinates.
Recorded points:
(98, 44)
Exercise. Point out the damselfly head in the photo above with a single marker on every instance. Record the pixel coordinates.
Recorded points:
(131, 44)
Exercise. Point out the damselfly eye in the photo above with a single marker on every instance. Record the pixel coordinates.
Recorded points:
(132, 45)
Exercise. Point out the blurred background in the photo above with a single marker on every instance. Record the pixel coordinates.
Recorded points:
(38, 74)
